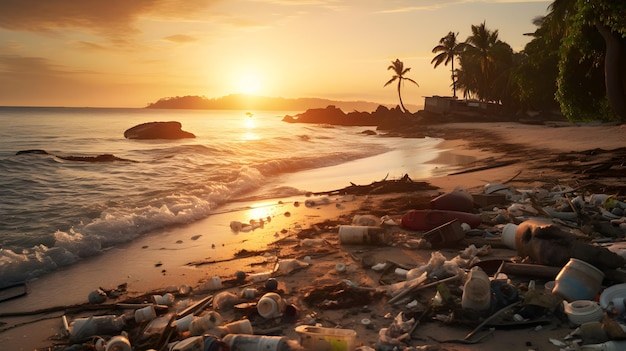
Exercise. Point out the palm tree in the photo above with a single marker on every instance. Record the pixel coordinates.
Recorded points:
(448, 47)
(483, 46)
(398, 68)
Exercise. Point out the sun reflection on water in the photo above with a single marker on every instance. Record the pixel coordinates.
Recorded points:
(249, 124)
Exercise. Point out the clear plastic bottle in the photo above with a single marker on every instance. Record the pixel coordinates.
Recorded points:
(82, 328)
(477, 291)
(606, 346)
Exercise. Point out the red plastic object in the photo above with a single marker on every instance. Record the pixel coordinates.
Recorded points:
(454, 201)
(430, 219)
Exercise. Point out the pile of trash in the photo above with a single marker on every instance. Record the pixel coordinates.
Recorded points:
(568, 266)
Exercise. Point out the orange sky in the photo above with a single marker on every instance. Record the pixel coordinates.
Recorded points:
(120, 53)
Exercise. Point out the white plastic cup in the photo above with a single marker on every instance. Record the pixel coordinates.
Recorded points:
(242, 326)
(270, 305)
(340, 267)
(118, 343)
(145, 314)
(167, 299)
(508, 235)
(183, 324)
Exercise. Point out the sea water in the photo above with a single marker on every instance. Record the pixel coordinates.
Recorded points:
(55, 212)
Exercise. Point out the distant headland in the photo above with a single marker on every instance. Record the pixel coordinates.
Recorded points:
(253, 102)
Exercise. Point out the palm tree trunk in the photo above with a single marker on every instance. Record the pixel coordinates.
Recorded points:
(453, 80)
(400, 96)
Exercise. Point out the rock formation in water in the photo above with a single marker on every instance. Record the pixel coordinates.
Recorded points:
(157, 130)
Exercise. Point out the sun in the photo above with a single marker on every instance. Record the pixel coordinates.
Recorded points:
(249, 84)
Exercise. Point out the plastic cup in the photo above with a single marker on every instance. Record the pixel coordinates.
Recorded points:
(167, 299)
(183, 323)
(508, 235)
(242, 326)
(145, 314)
(270, 305)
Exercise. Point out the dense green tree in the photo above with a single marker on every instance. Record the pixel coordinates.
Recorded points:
(483, 61)
(535, 76)
(397, 67)
(447, 49)
(592, 58)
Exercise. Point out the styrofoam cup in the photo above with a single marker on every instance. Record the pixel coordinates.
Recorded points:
(508, 235)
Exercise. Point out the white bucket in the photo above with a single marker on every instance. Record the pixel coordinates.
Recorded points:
(508, 235)
(578, 280)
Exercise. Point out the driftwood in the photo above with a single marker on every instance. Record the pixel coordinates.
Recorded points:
(482, 168)
(404, 184)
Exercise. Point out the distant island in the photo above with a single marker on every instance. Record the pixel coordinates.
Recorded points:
(253, 102)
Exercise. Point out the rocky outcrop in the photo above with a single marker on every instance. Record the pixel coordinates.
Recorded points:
(98, 158)
(383, 118)
(157, 130)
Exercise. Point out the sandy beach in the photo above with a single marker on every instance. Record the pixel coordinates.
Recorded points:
(522, 156)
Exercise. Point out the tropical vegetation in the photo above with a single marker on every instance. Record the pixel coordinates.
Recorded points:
(400, 71)
(447, 50)
(575, 63)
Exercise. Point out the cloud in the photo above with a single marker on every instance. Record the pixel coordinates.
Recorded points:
(110, 19)
(180, 38)
(431, 5)
(11, 65)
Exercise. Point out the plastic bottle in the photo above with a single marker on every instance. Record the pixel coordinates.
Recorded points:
(201, 324)
(367, 235)
(270, 305)
(606, 346)
(82, 328)
(477, 291)
(245, 342)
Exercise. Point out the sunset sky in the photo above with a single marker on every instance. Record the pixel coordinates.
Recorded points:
(120, 53)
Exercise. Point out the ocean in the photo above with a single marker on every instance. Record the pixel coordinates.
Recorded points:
(55, 212)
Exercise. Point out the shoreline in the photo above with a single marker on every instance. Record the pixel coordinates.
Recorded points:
(513, 142)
